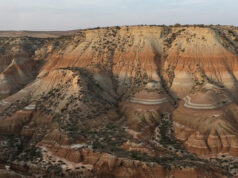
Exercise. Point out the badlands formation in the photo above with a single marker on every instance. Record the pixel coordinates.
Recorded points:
(138, 101)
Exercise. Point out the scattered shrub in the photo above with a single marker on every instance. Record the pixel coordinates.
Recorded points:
(177, 25)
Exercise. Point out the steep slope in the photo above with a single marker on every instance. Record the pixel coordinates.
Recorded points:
(139, 101)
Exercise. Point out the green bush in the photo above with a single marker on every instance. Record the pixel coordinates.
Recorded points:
(177, 25)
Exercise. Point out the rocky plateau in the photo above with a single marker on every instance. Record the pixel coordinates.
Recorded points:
(124, 102)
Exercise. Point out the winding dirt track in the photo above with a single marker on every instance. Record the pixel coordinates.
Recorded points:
(192, 105)
(30, 107)
(4, 103)
(149, 101)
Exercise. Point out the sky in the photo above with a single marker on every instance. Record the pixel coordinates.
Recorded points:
(78, 14)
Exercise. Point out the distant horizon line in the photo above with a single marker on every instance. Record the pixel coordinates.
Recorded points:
(99, 27)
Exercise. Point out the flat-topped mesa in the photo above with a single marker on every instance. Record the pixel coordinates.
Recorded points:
(125, 55)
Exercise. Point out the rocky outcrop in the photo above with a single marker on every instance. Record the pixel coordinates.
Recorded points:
(145, 107)
(107, 165)
(202, 122)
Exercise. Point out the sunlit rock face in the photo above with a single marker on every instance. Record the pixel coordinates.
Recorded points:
(138, 101)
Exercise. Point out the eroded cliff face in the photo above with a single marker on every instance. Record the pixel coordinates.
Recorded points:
(139, 101)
